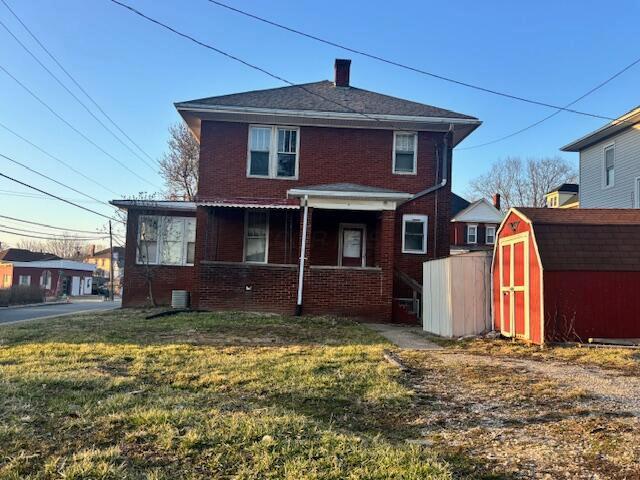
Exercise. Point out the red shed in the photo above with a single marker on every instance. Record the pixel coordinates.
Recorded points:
(567, 274)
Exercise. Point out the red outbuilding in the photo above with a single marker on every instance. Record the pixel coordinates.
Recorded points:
(567, 274)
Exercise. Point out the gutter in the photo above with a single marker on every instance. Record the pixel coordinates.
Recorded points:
(303, 248)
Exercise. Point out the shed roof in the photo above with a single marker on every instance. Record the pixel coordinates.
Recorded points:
(586, 239)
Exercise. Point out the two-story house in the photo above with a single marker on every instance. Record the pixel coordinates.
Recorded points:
(474, 224)
(320, 198)
(566, 195)
(610, 164)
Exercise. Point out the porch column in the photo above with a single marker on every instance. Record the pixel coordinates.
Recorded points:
(305, 255)
(386, 255)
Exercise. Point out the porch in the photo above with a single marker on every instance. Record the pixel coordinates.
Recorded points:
(248, 257)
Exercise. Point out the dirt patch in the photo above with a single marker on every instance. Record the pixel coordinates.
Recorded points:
(526, 419)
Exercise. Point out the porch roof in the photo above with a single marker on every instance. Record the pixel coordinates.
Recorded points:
(349, 190)
(278, 203)
(154, 204)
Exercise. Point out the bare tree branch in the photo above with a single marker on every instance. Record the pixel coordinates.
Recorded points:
(179, 166)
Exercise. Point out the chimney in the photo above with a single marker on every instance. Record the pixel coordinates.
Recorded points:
(342, 67)
(93, 250)
(496, 201)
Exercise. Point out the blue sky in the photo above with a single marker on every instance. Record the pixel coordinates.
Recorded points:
(547, 50)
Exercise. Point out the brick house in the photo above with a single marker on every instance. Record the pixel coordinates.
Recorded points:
(474, 224)
(320, 198)
(54, 275)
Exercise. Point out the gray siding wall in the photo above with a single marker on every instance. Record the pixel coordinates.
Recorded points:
(593, 194)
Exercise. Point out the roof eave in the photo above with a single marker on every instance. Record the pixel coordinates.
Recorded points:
(618, 125)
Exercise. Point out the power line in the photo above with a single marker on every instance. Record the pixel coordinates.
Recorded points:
(45, 225)
(238, 59)
(54, 180)
(58, 198)
(63, 120)
(535, 124)
(48, 238)
(402, 65)
(54, 235)
(76, 83)
(77, 172)
(26, 49)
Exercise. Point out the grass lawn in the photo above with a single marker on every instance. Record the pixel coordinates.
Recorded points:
(624, 359)
(231, 395)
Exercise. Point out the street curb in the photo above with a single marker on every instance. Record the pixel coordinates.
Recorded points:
(32, 305)
(48, 317)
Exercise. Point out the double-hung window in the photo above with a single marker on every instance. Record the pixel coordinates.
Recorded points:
(414, 233)
(273, 152)
(404, 152)
(164, 240)
(490, 235)
(45, 280)
(609, 166)
(256, 237)
(24, 280)
(472, 234)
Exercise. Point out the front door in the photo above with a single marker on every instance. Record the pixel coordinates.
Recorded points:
(514, 285)
(352, 245)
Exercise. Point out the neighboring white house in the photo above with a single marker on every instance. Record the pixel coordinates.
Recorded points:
(610, 164)
(474, 225)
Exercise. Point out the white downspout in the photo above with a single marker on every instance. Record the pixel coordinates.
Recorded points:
(303, 247)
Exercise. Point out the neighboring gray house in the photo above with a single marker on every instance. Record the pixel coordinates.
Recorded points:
(610, 164)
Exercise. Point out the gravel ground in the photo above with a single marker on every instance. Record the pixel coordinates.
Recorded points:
(521, 419)
(619, 391)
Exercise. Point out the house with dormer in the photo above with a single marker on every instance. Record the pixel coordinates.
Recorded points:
(318, 198)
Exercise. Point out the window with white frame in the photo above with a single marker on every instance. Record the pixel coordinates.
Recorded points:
(256, 236)
(609, 166)
(414, 233)
(45, 280)
(24, 280)
(273, 152)
(165, 240)
(490, 235)
(404, 152)
(472, 233)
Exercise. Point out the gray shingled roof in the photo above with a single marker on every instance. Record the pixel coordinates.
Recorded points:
(325, 97)
(22, 255)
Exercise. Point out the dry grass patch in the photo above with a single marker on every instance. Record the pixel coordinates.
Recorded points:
(622, 359)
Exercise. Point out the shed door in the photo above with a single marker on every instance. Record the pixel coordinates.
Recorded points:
(514, 286)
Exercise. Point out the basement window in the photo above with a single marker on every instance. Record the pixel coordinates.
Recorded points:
(404, 153)
(273, 152)
(165, 240)
(414, 233)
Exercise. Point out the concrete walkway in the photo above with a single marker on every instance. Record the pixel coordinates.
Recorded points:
(404, 336)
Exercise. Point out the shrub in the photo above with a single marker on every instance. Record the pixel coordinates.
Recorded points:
(21, 294)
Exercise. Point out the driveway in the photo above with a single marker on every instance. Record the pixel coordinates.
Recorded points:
(10, 315)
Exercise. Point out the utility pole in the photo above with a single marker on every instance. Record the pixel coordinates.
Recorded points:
(110, 262)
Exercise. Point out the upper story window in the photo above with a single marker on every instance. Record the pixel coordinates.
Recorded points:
(609, 166)
(166, 240)
(490, 235)
(472, 234)
(273, 152)
(404, 152)
(414, 233)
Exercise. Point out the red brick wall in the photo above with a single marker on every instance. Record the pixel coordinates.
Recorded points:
(164, 278)
(36, 274)
(270, 288)
(327, 155)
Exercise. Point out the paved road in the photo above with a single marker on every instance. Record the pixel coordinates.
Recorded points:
(32, 313)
